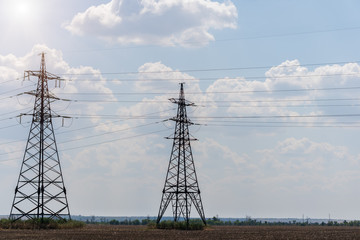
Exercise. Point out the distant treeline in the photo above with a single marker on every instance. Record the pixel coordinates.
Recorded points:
(123, 222)
(253, 222)
(131, 222)
(215, 221)
(248, 222)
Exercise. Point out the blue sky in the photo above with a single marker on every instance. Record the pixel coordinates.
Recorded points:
(276, 84)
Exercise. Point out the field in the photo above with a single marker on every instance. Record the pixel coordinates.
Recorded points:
(91, 232)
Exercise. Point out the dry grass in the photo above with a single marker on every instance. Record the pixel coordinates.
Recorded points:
(92, 232)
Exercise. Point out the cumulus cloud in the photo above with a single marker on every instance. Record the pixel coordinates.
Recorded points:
(161, 22)
(294, 154)
(164, 81)
(307, 165)
(114, 152)
(290, 89)
(14, 86)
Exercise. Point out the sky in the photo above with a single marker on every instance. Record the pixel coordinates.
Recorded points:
(275, 84)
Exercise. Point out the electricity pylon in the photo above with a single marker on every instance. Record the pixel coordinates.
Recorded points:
(40, 192)
(181, 185)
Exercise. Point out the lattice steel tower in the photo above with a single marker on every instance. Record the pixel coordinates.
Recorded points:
(40, 191)
(181, 185)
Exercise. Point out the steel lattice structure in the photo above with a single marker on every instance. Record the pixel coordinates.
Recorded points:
(181, 187)
(40, 192)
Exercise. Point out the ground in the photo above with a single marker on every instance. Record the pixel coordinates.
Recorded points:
(92, 232)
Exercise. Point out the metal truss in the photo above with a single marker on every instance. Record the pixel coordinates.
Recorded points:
(181, 187)
(40, 192)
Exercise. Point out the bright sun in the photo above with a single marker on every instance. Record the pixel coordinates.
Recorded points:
(22, 10)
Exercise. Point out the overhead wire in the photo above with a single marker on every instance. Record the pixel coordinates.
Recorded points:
(218, 92)
(279, 116)
(114, 140)
(206, 124)
(98, 143)
(289, 34)
(228, 92)
(213, 79)
(111, 116)
(283, 122)
(19, 110)
(2, 93)
(286, 106)
(283, 126)
(11, 80)
(210, 69)
(92, 126)
(112, 132)
(219, 40)
(222, 101)
(88, 127)
(10, 126)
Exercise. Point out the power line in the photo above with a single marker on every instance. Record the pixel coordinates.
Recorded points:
(224, 40)
(95, 144)
(223, 101)
(213, 79)
(286, 106)
(289, 34)
(279, 116)
(10, 80)
(4, 119)
(219, 92)
(279, 122)
(19, 110)
(119, 101)
(107, 133)
(112, 116)
(91, 126)
(217, 125)
(290, 100)
(17, 89)
(283, 126)
(114, 140)
(209, 69)
(226, 106)
(10, 126)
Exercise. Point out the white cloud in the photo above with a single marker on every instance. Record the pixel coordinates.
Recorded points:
(161, 22)
(226, 158)
(164, 81)
(15, 66)
(157, 76)
(289, 90)
(299, 154)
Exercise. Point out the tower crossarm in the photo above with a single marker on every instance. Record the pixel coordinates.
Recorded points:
(182, 102)
(49, 76)
(46, 95)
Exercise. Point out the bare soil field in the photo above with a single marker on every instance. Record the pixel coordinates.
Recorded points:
(92, 232)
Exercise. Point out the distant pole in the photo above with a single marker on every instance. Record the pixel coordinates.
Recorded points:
(181, 187)
(40, 191)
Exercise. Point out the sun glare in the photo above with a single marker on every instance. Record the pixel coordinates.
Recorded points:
(22, 10)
